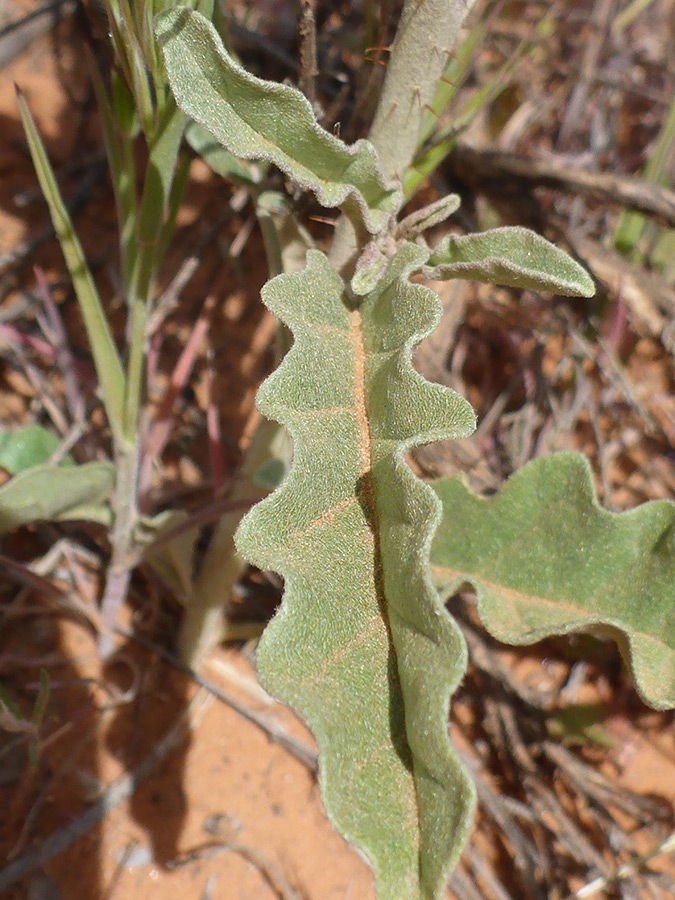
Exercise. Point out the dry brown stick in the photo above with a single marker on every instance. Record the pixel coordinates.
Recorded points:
(482, 871)
(308, 67)
(270, 872)
(17, 36)
(484, 658)
(650, 301)
(478, 164)
(597, 787)
(627, 870)
(525, 854)
(463, 887)
(590, 64)
(567, 832)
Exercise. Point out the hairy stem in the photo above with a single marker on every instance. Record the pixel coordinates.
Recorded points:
(158, 181)
(118, 575)
(425, 36)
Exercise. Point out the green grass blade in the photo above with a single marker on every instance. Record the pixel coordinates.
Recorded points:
(157, 189)
(119, 151)
(104, 352)
(173, 206)
(629, 14)
(454, 73)
(631, 224)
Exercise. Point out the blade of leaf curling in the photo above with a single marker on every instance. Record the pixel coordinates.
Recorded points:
(512, 256)
(361, 646)
(545, 558)
(257, 119)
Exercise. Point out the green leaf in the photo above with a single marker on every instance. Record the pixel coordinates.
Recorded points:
(117, 127)
(545, 559)
(428, 216)
(512, 256)
(220, 160)
(581, 723)
(257, 119)
(29, 446)
(106, 359)
(361, 646)
(48, 493)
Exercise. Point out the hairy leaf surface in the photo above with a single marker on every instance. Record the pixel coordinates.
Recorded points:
(361, 646)
(257, 119)
(545, 558)
(512, 256)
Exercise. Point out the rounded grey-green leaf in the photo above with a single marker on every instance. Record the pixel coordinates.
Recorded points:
(48, 493)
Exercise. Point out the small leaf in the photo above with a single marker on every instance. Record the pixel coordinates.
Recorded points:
(257, 119)
(361, 647)
(48, 493)
(428, 216)
(546, 559)
(515, 257)
(29, 446)
(370, 267)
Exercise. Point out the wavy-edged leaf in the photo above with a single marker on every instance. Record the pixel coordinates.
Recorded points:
(47, 493)
(361, 646)
(512, 256)
(257, 119)
(545, 558)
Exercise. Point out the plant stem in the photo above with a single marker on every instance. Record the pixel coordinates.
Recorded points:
(203, 624)
(159, 177)
(118, 575)
(425, 37)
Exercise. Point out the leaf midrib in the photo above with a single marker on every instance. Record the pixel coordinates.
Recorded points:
(368, 497)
